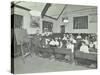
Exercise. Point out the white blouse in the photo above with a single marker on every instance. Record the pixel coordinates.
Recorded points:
(52, 42)
(84, 49)
(57, 43)
(70, 46)
(79, 37)
(64, 38)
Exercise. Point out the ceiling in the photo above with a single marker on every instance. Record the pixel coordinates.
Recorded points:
(55, 10)
(71, 8)
(32, 5)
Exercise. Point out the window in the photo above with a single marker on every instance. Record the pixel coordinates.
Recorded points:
(80, 22)
(17, 20)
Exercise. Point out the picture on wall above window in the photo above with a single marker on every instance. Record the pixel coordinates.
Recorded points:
(47, 26)
(35, 22)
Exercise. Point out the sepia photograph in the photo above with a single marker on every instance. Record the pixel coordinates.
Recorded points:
(53, 37)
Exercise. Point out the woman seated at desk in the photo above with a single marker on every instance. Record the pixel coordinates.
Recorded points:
(47, 40)
(91, 47)
(95, 45)
(70, 46)
(84, 48)
(86, 40)
(60, 42)
(79, 37)
(52, 43)
(64, 41)
(56, 42)
(72, 39)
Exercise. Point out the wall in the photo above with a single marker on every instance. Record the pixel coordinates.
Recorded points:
(92, 26)
(56, 26)
(26, 20)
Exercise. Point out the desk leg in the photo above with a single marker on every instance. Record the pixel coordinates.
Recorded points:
(71, 58)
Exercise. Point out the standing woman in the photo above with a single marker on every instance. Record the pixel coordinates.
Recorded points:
(37, 39)
(64, 41)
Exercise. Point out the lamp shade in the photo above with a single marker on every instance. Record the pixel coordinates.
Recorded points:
(35, 13)
(65, 19)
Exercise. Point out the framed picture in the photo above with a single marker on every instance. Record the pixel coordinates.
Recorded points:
(35, 21)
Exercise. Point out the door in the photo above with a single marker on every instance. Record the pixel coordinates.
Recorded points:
(62, 28)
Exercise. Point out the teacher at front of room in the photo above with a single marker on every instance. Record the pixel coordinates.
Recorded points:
(37, 38)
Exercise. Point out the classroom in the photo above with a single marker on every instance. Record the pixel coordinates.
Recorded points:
(51, 37)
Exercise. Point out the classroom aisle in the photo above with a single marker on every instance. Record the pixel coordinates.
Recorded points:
(36, 64)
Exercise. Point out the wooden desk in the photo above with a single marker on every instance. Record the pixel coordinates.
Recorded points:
(63, 51)
(46, 50)
(56, 50)
(89, 56)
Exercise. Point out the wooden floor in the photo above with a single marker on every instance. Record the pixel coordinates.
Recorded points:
(36, 64)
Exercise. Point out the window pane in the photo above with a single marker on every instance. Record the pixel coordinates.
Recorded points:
(80, 22)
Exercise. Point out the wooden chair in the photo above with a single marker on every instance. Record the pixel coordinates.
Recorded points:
(23, 40)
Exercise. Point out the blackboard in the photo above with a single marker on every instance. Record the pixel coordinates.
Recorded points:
(23, 40)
